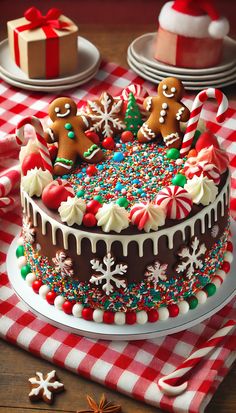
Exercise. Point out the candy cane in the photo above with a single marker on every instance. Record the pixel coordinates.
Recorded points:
(167, 383)
(195, 115)
(42, 144)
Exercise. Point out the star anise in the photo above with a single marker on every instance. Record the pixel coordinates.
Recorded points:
(102, 407)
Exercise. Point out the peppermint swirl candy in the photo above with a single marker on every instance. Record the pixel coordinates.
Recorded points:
(147, 216)
(193, 167)
(176, 201)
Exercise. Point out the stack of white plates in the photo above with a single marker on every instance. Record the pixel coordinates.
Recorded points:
(140, 59)
(88, 65)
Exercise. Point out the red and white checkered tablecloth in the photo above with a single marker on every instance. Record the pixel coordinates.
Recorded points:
(131, 368)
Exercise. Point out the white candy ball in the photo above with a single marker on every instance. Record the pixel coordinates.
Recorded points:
(59, 301)
(119, 319)
(21, 261)
(221, 274)
(141, 317)
(77, 310)
(30, 278)
(20, 241)
(44, 289)
(183, 307)
(228, 257)
(98, 315)
(163, 313)
(217, 282)
(201, 296)
(179, 161)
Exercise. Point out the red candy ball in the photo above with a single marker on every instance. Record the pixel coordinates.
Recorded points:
(87, 313)
(53, 152)
(50, 297)
(173, 310)
(55, 193)
(108, 317)
(153, 316)
(130, 317)
(91, 170)
(226, 266)
(230, 246)
(67, 307)
(108, 143)
(93, 206)
(89, 220)
(127, 136)
(31, 161)
(36, 285)
(93, 137)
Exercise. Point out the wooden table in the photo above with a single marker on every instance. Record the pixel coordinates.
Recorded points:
(16, 366)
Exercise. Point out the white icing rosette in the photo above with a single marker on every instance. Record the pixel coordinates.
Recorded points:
(35, 181)
(72, 210)
(147, 216)
(202, 190)
(112, 217)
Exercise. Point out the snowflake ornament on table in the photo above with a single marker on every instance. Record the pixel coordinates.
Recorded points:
(108, 274)
(28, 231)
(106, 115)
(63, 264)
(156, 272)
(43, 388)
(191, 257)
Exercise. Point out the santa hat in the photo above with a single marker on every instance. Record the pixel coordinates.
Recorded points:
(193, 18)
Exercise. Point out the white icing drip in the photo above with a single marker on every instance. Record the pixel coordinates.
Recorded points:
(126, 239)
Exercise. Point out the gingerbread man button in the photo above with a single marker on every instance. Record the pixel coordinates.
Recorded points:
(166, 113)
(68, 130)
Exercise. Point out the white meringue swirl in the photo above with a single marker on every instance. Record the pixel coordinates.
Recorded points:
(202, 190)
(72, 210)
(35, 181)
(112, 217)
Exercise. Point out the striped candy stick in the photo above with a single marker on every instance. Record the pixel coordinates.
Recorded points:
(196, 111)
(167, 384)
(42, 144)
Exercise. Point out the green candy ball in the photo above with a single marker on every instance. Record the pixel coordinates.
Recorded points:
(71, 135)
(68, 126)
(80, 193)
(210, 289)
(98, 198)
(179, 180)
(193, 302)
(173, 153)
(25, 270)
(20, 251)
(122, 202)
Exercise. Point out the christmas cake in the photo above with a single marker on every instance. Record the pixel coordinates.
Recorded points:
(125, 220)
(190, 34)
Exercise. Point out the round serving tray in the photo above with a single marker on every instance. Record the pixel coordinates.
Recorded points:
(58, 318)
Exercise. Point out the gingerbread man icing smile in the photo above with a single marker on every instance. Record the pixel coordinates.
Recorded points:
(166, 113)
(68, 130)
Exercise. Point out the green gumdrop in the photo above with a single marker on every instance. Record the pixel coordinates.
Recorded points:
(98, 198)
(179, 180)
(122, 202)
(20, 251)
(173, 153)
(25, 270)
(80, 193)
(210, 289)
(193, 302)
(68, 126)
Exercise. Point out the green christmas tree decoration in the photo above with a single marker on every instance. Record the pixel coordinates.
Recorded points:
(133, 117)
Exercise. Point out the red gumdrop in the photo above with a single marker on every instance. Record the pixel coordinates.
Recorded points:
(93, 206)
(226, 266)
(108, 143)
(108, 317)
(36, 285)
(89, 220)
(31, 161)
(130, 317)
(230, 246)
(93, 137)
(153, 316)
(53, 152)
(50, 297)
(173, 310)
(67, 307)
(205, 140)
(87, 313)
(127, 136)
(91, 170)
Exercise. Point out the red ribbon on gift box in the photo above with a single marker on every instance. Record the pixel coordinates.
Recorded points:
(48, 23)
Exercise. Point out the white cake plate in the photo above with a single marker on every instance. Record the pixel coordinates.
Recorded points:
(58, 318)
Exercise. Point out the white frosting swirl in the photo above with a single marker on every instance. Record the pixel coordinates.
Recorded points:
(202, 190)
(155, 215)
(112, 217)
(72, 210)
(35, 181)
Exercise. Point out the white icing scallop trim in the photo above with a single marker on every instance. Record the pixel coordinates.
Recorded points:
(109, 239)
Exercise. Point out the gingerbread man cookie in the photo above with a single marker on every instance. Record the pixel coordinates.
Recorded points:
(68, 130)
(166, 113)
